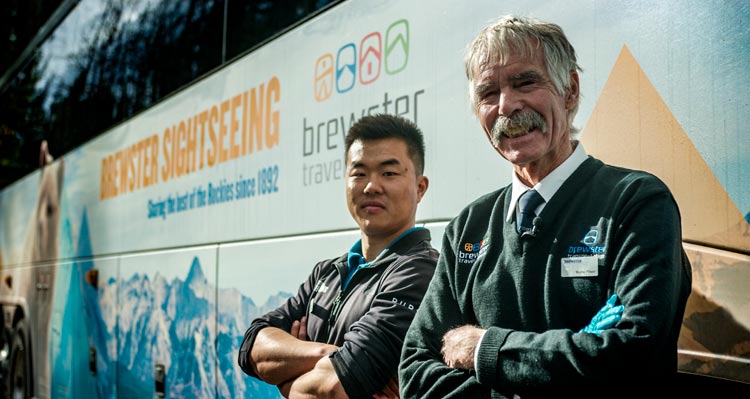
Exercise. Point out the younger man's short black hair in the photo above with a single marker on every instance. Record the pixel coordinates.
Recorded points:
(385, 126)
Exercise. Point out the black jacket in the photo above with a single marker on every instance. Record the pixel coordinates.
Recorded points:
(368, 320)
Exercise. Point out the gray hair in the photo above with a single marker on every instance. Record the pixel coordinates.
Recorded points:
(523, 36)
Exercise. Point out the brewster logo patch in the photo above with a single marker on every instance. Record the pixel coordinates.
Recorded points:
(591, 245)
(469, 252)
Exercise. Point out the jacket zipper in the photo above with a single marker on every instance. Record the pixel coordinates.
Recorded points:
(335, 309)
(338, 303)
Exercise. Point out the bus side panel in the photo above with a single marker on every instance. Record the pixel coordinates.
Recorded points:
(642, 133)
(167, 324)
(82, 340)
(715, 336)
(30, 236)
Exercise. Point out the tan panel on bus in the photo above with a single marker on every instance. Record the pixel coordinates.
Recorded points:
(631, 126)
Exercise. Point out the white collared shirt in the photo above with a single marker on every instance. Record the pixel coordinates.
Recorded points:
(551, 183)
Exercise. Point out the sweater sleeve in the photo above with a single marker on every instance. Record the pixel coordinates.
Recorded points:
(370, 353)
(282, 317)
(422, 373)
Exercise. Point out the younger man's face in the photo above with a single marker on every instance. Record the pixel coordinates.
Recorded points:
(382, 187)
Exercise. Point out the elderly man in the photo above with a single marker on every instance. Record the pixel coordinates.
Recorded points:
(570, 279)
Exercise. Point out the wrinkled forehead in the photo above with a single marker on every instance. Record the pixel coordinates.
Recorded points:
(495, 47)
(511, 63)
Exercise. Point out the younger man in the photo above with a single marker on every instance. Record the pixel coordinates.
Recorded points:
(341, 335)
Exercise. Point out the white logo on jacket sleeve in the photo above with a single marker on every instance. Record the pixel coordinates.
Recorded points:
(402, 303)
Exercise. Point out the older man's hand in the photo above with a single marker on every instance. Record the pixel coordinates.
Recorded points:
(459, 345)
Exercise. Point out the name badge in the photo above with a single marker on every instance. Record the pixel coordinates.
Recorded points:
(580, 266)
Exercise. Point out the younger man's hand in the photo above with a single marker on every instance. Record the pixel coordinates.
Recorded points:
(299, 329)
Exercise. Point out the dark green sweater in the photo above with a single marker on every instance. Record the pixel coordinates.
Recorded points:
(624, 224)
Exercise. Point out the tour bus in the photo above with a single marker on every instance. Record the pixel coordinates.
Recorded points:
(131, 266)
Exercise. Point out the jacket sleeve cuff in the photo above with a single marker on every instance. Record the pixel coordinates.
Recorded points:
(247, 345)
(488, 361)
(346, 375)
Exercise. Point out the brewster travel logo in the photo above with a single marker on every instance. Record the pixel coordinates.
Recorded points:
(351, 65)
(471, 251)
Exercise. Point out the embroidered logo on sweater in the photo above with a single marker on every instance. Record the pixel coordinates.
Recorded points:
(590, 245)
(469, 252)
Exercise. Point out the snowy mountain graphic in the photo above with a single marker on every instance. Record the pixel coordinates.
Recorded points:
(179, 325)
(129, 325)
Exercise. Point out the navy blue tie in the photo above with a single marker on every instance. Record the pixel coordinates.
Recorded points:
(527, 203)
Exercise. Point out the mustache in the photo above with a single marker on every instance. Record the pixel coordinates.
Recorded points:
(517, 125)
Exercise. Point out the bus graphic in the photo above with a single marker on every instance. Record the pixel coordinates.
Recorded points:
(365, 63)
(372, 52)
(346, 67)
